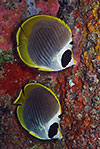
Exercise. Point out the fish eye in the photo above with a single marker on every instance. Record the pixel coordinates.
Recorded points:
(71, 42)
(66, 58)
(53, 130)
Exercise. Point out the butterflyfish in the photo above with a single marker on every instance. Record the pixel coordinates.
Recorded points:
(38, 111)
(45, 42)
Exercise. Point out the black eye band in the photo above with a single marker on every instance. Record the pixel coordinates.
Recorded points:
(66, 58)
(53, 130)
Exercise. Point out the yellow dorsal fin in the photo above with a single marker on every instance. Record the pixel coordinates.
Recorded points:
(20, 99)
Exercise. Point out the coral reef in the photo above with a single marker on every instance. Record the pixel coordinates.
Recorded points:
(77, 87)
(15, 76)
(31, 9)
(49, 7)
(10, 14)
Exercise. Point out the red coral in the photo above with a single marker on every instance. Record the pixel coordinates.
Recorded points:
(14, 76)
(78, 24)
(76, 14)
(9, 19)
(68, 71)
(78, 84)
(50, 7)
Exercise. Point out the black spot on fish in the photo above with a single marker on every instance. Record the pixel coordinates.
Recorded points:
(71, 42)
(53, 130)
(66, 57)
(60, 116)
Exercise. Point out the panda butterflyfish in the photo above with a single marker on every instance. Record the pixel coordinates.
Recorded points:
(38, 111)
(45, 42)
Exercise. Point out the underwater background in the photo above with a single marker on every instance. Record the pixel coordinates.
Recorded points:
(77, 87)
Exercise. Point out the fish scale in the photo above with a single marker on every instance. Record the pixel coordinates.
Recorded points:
(45, 55)
(38, 51)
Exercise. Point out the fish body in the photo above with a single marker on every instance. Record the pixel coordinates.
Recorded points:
(44, 42)
(38, 111)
